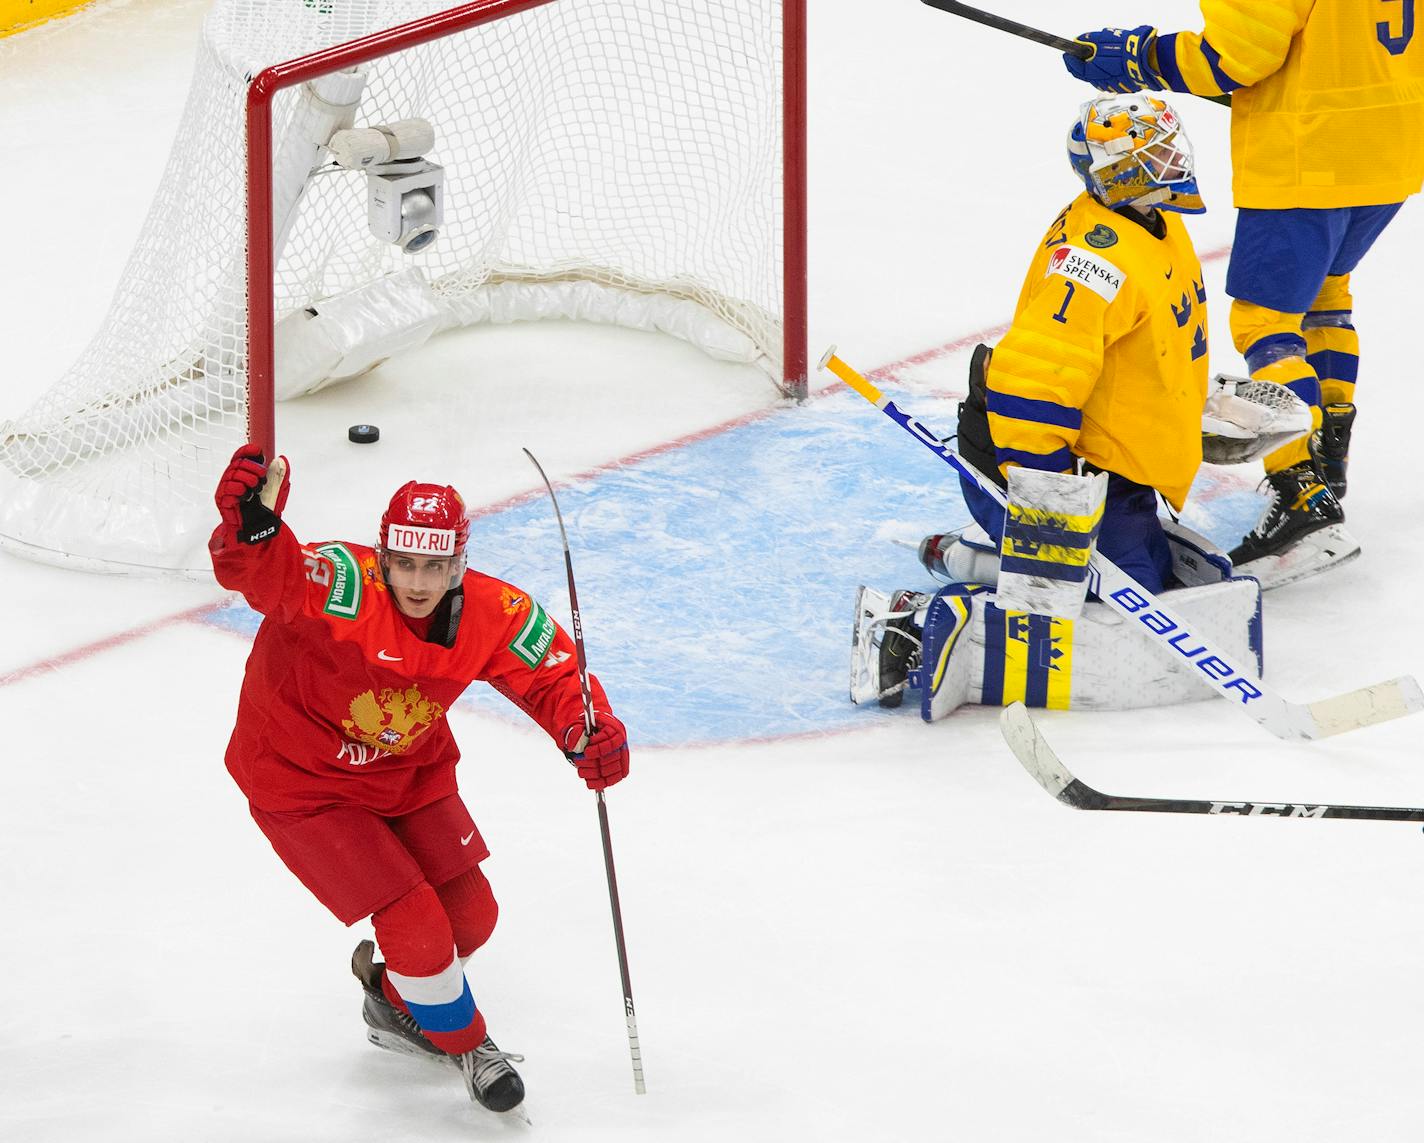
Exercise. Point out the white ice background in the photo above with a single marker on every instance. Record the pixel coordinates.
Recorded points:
(843, 924)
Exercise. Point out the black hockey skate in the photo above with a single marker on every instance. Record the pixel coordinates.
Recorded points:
(899, 647)
(1330, 445)
(490, 1078)
(1301, 532)
(386, 1025)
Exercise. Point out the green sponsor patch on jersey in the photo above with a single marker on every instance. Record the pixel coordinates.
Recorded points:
(344, 598)
(1101, 237)
(534, 638)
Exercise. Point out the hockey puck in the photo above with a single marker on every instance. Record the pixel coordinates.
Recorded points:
(363, 434)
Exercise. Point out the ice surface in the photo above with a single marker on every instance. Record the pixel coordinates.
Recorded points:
(843, 924)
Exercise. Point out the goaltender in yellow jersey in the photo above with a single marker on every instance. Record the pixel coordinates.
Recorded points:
(1087, 411)
(1104, 369)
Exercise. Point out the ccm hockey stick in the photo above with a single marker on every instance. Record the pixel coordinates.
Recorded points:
(1032, 749)
(634, 1049)
(1174, 637)
(1079, 48)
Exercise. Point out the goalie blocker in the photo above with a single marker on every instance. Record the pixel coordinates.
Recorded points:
(969, 648)
(1051, 524)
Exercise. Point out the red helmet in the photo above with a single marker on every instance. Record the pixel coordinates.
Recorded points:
(425, 519)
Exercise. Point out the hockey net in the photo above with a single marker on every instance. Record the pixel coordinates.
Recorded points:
(625, 161)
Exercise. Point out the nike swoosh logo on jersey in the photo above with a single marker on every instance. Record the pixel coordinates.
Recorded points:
(381, 654)
(1169, 274)
(466, 839)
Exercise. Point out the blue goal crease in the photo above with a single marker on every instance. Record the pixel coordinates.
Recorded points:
(717, 580)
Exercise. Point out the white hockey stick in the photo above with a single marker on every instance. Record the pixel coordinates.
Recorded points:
(1173, 636)
(1047, 769)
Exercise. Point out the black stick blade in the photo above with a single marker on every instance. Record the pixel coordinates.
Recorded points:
(1037, 757)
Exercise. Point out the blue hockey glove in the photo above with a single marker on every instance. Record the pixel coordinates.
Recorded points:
(1120, 60)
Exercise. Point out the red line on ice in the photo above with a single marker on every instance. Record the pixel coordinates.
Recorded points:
(109, 643)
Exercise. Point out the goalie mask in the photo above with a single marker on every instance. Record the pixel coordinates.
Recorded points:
(1130, 150)
(425, 520)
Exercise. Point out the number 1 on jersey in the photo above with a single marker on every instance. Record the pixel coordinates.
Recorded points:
(1063, 309)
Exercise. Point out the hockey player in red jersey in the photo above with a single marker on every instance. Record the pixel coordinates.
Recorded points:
(344, 753)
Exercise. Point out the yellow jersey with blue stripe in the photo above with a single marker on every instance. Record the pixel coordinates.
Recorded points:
(1327, 97)
(1106, 358)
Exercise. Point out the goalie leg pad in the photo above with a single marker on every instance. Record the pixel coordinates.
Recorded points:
(1097, 663)
(948, 662)
(974, 651)
(1050, 529)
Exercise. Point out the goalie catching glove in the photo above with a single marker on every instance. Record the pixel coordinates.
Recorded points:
(1051, 526)
(1244, 420)
(603, 760)
(251, 494)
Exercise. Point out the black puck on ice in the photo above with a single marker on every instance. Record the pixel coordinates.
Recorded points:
(363, 434)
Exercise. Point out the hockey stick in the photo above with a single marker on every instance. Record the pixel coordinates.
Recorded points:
(1079, 48)
(634, 1049)
(1032, 749)
(1173, 636)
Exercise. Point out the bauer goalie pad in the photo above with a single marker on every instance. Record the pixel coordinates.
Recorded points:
(947, 662)
(1243, 420)
(974, 651)
(1051, 526)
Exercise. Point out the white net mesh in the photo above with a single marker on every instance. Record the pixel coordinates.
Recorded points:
(606, 151)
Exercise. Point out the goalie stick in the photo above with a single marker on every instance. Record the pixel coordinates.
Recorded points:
(1079, 48)
(634, 1049)
(1169, 633)
(1038, 758)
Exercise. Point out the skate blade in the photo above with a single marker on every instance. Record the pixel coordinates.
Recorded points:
(1310, 555)
(516, 1114)
(394, 1043)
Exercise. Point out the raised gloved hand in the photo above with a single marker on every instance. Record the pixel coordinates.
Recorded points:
(1121, 60)
(251, 494)
(604, 758)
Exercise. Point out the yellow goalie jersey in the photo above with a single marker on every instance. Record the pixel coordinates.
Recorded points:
(1107, 355)
(1327, 97)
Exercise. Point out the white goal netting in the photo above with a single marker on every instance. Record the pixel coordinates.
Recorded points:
(610, 160)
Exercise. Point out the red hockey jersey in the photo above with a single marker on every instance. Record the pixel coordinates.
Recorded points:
(344, 704)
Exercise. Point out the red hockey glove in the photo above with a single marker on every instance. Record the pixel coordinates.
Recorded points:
(251, 494)
(605, 756)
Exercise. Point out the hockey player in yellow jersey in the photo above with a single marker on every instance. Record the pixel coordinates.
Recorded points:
(1104, 367)
(1088, 409)
(1327, 140)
